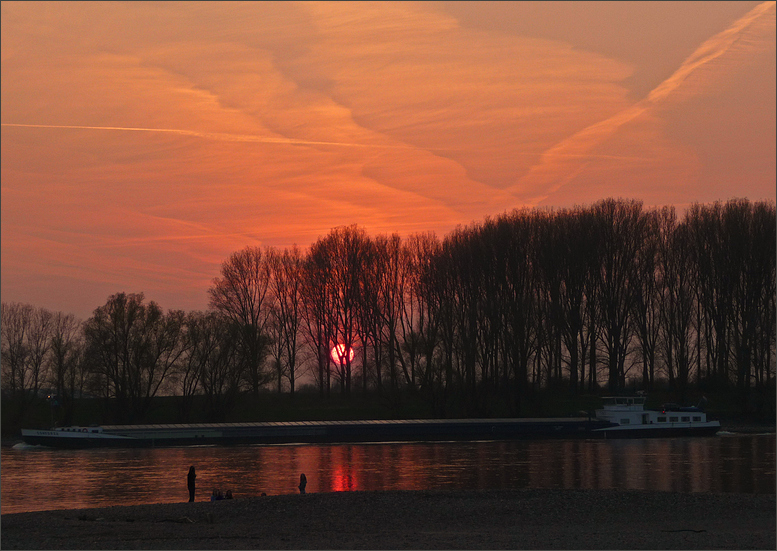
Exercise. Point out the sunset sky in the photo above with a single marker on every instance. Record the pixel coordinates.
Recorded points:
(143, 143)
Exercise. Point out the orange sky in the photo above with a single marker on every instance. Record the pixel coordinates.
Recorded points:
(142, 143)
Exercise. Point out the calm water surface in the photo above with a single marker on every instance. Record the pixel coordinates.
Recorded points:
(36, 478)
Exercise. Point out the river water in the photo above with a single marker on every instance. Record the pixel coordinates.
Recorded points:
(34, 478)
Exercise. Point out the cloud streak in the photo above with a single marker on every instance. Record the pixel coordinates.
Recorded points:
(553, 172)
(220, 136)
(712, 49)
(226, 137)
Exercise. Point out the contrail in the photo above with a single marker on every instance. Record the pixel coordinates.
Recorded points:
(220, 136)
(711, 49)
(286, 141)
(551, 168)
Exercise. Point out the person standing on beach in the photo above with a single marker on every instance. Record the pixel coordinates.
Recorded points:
(190, 482)
(303, 481)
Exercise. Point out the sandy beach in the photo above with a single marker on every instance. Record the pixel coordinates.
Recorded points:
(524, 519)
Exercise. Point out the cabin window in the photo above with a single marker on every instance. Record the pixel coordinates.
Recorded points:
(686, 419)
(624, 421)
(673, 419)
(94, 430)
(662, 419)
(697, 417)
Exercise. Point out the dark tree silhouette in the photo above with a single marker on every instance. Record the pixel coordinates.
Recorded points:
(240, 295)
(478, 322)
(132, 347)
(286, 289)
(26, 341)
(66, 353)
(623, 230)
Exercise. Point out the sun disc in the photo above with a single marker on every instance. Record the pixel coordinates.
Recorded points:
(339, 353)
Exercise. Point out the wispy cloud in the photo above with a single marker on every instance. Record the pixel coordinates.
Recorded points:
(556, 168)
(715, 47)
(220, 136)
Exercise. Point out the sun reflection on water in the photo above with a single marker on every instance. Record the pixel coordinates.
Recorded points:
(36, 478)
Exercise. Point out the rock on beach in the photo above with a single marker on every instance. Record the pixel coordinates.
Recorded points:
(522, 519)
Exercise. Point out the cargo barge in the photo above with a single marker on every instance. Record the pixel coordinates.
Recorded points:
(311, 432)
(620, 417)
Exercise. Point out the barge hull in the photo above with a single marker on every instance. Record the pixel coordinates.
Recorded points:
(656, 432)
(320, 432)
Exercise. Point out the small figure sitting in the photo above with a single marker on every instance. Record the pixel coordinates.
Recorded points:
(228, 495)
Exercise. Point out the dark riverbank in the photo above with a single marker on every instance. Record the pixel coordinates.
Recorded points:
(524, 519)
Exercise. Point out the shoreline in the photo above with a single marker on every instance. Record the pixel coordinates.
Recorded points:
(428, 519)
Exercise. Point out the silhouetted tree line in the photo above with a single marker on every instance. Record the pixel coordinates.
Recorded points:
(577, 300)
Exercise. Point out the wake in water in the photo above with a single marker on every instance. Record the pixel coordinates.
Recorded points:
(26, 446)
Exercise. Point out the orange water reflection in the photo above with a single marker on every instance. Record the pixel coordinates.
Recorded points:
(39, 479)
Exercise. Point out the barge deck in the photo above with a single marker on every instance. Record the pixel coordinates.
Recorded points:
(310, 432)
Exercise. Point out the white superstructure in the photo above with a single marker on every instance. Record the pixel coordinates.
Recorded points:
(628, 413)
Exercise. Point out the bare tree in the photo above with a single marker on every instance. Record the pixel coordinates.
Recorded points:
(391, 265)
(16, 320)
(215, 359)
(39, 344)
(25, 344)
(422, 249)
(349, 248)
(749, 230)
(623, 228)
(66, 355)
(187, 374)
(286, 289)
(318, 302)
(678, 304)
(487, 253)
(414, 313)
(132, 347)
(715, 286)
(240, 295)
(370, 319)
(333, 295)
(647, 291)
(519, 234)
(567, 256)
(459, 286)
(765, 339)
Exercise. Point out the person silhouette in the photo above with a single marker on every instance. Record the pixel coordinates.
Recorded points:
(303, 481)
(190, 482)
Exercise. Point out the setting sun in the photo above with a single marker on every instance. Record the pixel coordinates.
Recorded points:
(339, 353)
